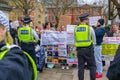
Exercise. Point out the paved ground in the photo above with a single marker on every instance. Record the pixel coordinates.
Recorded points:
(71, 74)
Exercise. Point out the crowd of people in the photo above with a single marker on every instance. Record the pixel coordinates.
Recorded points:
(20, 59)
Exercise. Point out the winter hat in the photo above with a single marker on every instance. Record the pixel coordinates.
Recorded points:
(4, 20)
(101, 21)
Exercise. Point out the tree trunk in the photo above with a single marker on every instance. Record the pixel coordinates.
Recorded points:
(57, 21)
(118, 9)
(25, 12)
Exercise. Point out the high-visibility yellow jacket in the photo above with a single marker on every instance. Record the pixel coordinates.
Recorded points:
(83, 35)
(25, 34)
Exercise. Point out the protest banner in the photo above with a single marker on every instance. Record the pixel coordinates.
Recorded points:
(55, 43)
(110, 45)
(53, 37)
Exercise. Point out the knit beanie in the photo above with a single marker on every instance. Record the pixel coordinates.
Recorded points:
(4, 20)
(101, 21)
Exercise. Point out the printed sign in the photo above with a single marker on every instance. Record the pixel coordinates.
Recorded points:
(70, 28)
(57, 48)
(53, 37)
(72, 55)
(55, 43)
(70, 34)
(14, 24)
(110, 45)
(93, 20)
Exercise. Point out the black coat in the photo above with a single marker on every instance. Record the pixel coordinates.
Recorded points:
(113, 72)
(15, 66)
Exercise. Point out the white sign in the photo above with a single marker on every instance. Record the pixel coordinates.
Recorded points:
(70, 34)
(111, 40)
(93, 20)
(70, 38)
(70, 28)
(53, 37)
(14, 24)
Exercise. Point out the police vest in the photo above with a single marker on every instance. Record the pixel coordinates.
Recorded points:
(6, 49)
(25, 34)
(83, 36)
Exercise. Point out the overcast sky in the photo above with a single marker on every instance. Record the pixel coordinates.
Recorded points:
(89, 1)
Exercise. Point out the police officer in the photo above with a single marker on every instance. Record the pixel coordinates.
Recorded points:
(84, 42)
(14, 63)
(27, 37)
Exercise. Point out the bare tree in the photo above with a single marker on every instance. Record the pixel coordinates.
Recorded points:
(25, 5)
(58, 7)
(117, 6)
(113, 11)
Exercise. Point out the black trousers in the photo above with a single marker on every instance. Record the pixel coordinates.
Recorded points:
(64, 63)
(29, 48)
(86, 55)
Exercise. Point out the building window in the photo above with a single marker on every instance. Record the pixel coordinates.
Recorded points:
(77, 10)
(46, 11)
(86, 10)
(46, 18)
(68, 11)
(52, 18)
(95, 11)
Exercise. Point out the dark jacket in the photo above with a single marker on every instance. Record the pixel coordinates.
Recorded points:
(15, 65)
(113, 72)
(99, 32)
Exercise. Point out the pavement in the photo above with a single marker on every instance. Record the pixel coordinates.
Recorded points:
(58, 74)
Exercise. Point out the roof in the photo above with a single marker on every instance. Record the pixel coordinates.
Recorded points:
(81, 5)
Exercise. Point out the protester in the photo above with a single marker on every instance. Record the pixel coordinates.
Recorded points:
(113, 72)
(28, 37)
(39, 29)
(99, 32)
(114, 31)
(14, 63)
(32, 25)
(84, 41)
(13, 32)
(49, 26)
(63, 62)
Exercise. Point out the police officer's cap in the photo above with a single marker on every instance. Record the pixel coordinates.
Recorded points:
(26, 20)
(84, 16)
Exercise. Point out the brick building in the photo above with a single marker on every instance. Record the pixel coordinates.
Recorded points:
(37, 16)
(92, 10)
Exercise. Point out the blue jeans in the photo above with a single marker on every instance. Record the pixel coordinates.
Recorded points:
(98, 59)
